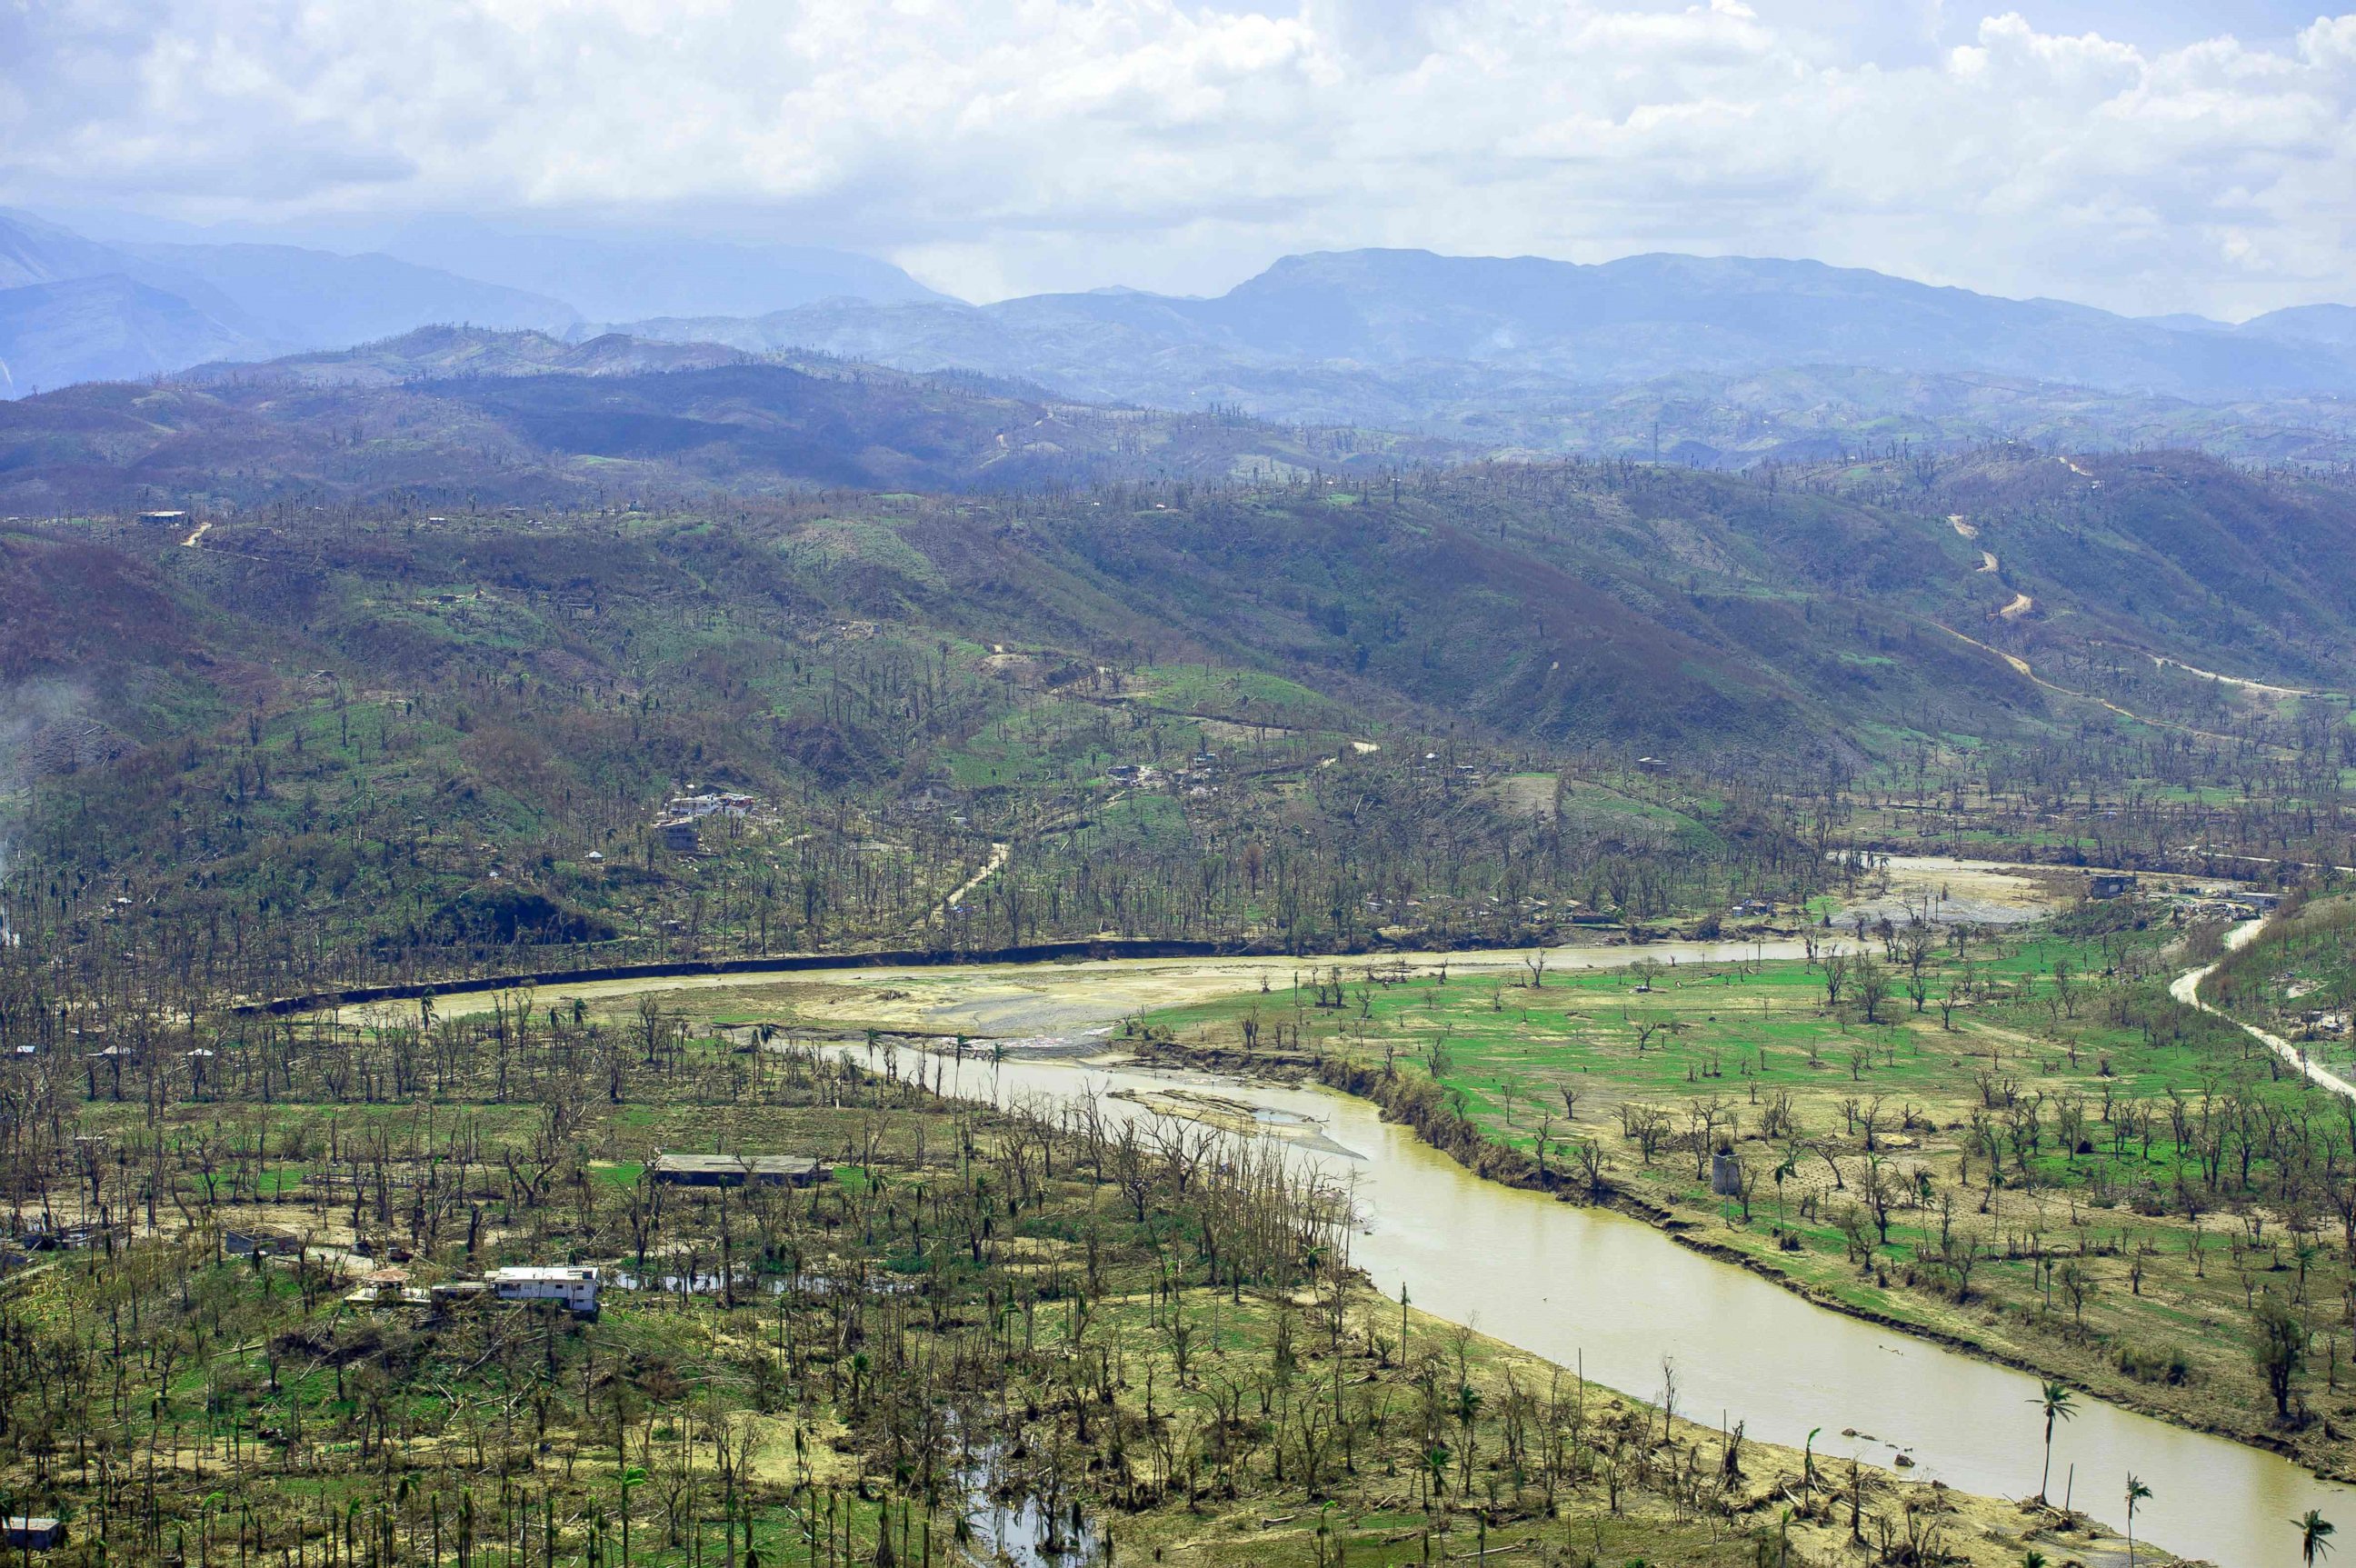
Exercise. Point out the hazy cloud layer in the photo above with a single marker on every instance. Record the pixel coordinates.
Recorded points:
(1034, 144)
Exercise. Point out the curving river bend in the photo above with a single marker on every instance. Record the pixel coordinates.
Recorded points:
(1597, 1289)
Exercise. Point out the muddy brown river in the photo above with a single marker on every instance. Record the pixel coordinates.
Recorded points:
(1593, 1289)
(1589, 1288)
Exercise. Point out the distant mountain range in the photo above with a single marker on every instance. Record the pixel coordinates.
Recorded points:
(1533, 352)
(1708, 361)
(1614, 324)
(74, 309)
(608, 277)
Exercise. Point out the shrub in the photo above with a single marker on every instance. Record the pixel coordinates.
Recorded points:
(2146, 1365)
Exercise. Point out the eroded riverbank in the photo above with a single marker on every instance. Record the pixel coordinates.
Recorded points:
(1605, 1291)
(1560, 1282)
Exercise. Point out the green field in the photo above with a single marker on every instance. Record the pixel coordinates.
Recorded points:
(2047, 1157)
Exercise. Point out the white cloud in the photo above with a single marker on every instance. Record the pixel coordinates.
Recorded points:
(1037, 143)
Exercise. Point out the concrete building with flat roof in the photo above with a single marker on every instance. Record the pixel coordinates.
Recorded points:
(735, 1170)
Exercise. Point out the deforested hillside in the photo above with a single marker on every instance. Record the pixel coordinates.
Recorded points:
(426, 641)
(924, 723)
(1452, 705)
(2170, 554)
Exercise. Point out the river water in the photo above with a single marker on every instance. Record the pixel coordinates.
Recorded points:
(1606, 1294)
(1594, 1289)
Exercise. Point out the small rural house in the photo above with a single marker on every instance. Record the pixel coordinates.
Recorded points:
(245, 1244)
(35, 1532)
(575, 1286)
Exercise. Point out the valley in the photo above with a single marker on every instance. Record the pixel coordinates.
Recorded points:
(1159, 1036)
(1109, 785)
(1643, 913)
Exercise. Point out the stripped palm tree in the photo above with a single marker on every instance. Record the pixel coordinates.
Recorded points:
(2314, 1533)
(2055, 1401)
(2137, 1492)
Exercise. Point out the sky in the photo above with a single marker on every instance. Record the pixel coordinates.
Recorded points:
(2147, 157)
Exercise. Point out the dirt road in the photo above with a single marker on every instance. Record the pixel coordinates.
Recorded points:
(2234, 680)
(2186, 988)
(998, 853)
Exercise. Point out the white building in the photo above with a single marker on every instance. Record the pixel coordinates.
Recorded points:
(575, 1287)
(714, 805)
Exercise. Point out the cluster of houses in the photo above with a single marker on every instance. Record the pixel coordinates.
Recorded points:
(1200, 775)
(695, 808)
(573, 1286)
(680, 830)
(2226, 903)
(1437, 763)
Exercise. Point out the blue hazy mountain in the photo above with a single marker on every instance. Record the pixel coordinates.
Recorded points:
(74, 308)
(616, 277)
(1615, 323)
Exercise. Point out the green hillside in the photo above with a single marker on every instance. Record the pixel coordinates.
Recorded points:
(452, 418)
(1313, 714)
